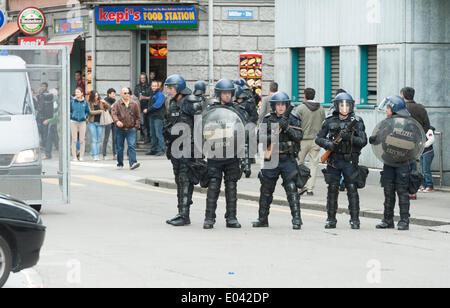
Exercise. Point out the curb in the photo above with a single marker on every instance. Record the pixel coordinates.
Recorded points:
(304, 205)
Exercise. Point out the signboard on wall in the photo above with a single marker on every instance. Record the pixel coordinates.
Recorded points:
(146, 17)
(240, 14)
(70, 25)
(32, 41)
(31, 21)
(2, 19)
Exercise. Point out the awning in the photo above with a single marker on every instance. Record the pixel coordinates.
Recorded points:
(64, 40)
(8, 30)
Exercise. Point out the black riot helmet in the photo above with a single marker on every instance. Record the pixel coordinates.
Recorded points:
(343, 98)
(279, 97)
(200, 87)
(224, 85)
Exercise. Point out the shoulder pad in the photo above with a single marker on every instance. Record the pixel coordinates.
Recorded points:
(357, 118)
(186, 91)
(295, 115)
(193, 99)
(268, 115)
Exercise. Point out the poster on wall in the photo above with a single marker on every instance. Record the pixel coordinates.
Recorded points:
(146, 17)
(250, 69)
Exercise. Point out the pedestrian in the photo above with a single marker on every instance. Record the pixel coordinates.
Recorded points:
(155, 112)
(344, 156)
(265, 105)
(79, 113)
(52, 127)
(312, 116)
(127, 118)
(227, 168)
(143, 92)
(79, 82)
(395, 179)
(426, 160)
(44, 111)
(97, 106)
(418, 113)
(289, 137)
(180, 111)
(110, 129)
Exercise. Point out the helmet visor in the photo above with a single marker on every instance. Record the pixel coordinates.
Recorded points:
(344, 107)
(383, 105)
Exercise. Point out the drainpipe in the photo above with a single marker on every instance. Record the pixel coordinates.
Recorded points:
(94, 46)
(211, 45)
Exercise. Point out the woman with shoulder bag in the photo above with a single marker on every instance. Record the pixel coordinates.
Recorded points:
(97, 108)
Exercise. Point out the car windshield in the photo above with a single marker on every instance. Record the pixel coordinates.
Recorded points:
(15, 94)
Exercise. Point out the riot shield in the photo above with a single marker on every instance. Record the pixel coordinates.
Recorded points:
(223, 133)
(399, 141)
(34, 124)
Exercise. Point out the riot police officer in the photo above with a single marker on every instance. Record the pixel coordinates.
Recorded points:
(246, 98)
(394, 178)
(228, 167)
(289, 137)
(180, 110)
(200, 88)
(342, 133)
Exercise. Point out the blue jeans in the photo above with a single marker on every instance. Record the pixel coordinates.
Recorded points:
(130, 136)
(96, 132)
(52, 138)
(426, 161)
(156, 134)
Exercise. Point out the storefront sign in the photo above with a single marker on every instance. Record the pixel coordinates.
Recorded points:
(146, 17)
(32, 41)
(31, 21)
(2, 19)
(240, 14)
(71, 25)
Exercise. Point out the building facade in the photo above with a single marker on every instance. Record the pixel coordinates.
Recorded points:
(372, 49)
(113, 56)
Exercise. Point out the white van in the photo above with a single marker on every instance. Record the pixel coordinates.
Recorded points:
(19, 137)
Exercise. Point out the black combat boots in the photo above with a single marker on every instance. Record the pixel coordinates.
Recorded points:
(294, 203)
(389, 205)
(231, 204)
(182, 218)
(265, 199)
(353, 205)
(332, 206)
(403, 202)
(211, 203)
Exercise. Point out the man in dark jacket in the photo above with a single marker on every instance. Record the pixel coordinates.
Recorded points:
(155, 113)
(143, 92)
(418, 113)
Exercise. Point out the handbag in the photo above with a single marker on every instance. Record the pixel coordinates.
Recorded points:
(105, 119)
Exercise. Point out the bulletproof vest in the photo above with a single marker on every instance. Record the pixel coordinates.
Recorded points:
(176, 115)
(335, 126)
(287, 147)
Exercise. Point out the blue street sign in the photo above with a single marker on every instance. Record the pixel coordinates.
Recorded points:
(2, 18)
(240, 14)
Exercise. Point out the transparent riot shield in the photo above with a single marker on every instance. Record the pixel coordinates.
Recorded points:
(34, 124)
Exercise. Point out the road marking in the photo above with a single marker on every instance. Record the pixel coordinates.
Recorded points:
(56, 182)
(108, 181)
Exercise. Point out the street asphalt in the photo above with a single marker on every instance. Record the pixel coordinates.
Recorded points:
(113, 234)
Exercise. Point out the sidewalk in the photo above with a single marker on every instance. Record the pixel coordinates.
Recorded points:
(430, 209)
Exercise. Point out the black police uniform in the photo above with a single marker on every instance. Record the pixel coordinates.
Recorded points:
(230, 170)
(144, 89)
(289, 146)
(181, 111)
(343, 160)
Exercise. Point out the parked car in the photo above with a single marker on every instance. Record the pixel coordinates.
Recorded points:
(19, 147)
(21, 236)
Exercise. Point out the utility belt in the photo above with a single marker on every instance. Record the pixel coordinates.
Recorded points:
(351, 157)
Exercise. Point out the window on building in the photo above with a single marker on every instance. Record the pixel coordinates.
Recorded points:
(301, 74)
(369, 75)
(331, 73)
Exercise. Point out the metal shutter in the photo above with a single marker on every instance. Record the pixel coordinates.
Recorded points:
(334, 70)
(372, 75)
(301, 74)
